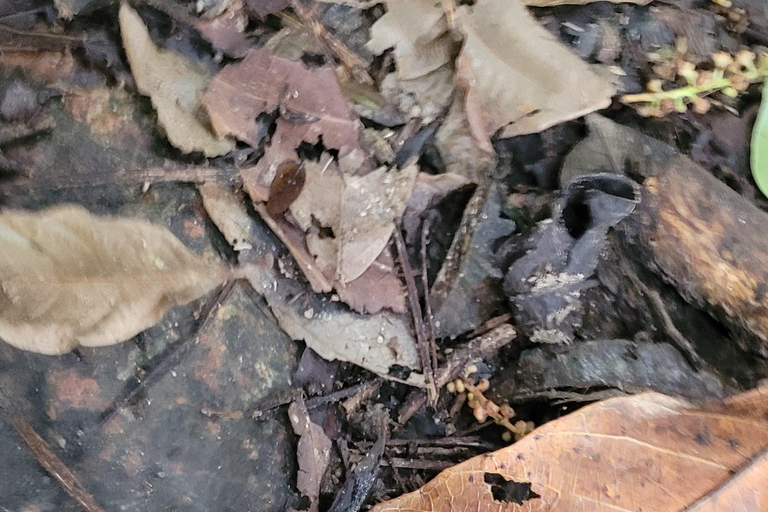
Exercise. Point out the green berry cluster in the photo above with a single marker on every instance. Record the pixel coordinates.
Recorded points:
(732, 74)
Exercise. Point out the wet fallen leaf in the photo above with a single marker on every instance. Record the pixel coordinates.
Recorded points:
(313, 452)
(466, 291)
(649, 452)
(376, 342)
(311, 100)
(523, 79)
(69, 278)
(174, 85)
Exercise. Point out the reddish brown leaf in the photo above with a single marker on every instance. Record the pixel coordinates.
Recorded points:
(286, 187)
(648, 452)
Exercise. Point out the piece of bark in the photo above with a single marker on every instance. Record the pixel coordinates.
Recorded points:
(708, 241)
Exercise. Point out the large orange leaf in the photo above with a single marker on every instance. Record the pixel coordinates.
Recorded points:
(647, 453)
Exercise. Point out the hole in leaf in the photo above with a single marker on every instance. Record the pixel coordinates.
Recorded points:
(313, 60)
(577, 218)
(509, 491)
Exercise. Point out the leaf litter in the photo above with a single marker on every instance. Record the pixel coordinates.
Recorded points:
(457, 78)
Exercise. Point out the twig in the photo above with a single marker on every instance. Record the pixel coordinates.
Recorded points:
(434, 465)
(657, 304)
(172, 355)
(55, 467)
(418, 320)
(425, 284)
(333, 46)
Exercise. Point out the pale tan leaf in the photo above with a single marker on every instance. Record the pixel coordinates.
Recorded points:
(313, 452)
(69, 278)
(374, 342)
(522, 78)
(462, 152)
(369, 208)
(229, 214)
(418, 32)
(425, 97)
(173, 84)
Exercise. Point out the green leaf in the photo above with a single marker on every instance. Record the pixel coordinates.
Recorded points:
(760, 147)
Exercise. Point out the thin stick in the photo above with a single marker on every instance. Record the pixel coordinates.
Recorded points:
(172, 355)
(55, 467)
(418, 320)
(425, 284)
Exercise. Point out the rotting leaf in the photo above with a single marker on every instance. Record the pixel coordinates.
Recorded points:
(424, 48)
(313, 452)
(69, 278)
(467, 288)
(522, 78)
(264, 83)
(376, 342)
(707, 458)
(173, 84)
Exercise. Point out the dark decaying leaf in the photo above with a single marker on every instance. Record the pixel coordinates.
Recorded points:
(467, 289)
(313, 452)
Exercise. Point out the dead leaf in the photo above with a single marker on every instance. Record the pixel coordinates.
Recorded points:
(346, 222)
(69, 278)
(173, 84)
(229, 214)
(286, 187)
(419, 33)
(261, 83)
(522, 78)
(467, 290)
(313, 452)
(463, 152)
(648, 452)
(226, 32)
(424, 48)
(376, 342)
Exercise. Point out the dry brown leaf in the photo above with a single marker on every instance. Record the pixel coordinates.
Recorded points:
(69, 278)
(551, 3)
(311, 98)
(522, 78)
(313, 452)
(347, 222)
(173, 84)
(648, 452)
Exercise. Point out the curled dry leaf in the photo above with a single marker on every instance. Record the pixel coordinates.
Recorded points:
(344, 225)
(173, 84)
(648, 452)
(424, 49)
(69, 278)
(522, 78)
(313, 452)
